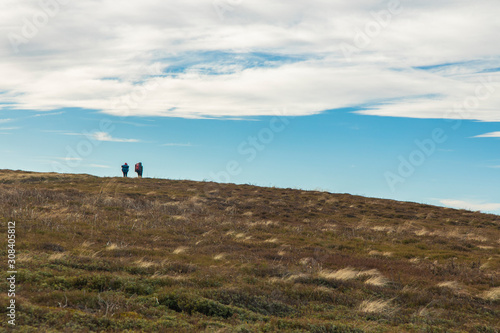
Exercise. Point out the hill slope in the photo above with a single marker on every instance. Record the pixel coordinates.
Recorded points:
(115, 254)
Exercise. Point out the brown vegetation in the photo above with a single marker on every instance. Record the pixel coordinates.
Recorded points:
(115, 254)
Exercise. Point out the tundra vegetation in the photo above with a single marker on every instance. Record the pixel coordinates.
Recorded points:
(152, 255)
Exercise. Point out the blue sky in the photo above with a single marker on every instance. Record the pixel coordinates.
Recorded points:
(390, 99)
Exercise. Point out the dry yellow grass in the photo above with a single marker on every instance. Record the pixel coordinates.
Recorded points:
(484, 247)
(180, 250)
(144, 264)
(219, 256)
(275, 282)
(492, 294)
(24, 257)
(450, 284)
(86, 244)
(112, 246)
(378, 281)
(271, 240)
(56, 256)
(341, 275)
(422, 232)
(380, 254)
(378, 306)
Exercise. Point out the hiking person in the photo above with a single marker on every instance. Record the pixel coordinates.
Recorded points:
(138, 169)
(125, 169)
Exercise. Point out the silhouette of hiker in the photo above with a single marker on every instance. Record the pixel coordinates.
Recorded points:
(125, 169)
(138, 169)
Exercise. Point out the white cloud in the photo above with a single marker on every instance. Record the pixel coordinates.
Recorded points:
(92, 54)
(489, 135)
(104, 136)
(474, 206)
(68, 159)
(97, 136)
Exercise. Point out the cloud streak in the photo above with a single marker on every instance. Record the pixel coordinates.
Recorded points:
(474, 206)
(98, 136)
(104, 136)
(488, 135)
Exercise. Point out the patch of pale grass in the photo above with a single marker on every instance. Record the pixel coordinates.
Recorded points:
(274, 280)
(379, 306)
(329, 227)
(112, 246)
(378, 281)
(454, 286)
(486, 265)
(414, 260)
(271, 240)
(86, 244)
(370, 272)
(24, 257)
(422, 312)
(205, 234)
(307, 261)
(56, 256)
(239, 235)
(230, 233)
(477, 238)
(144, 264)
(180, 250)
(295, 277)
(166, 276)
(281, 253)
(323, 289)
(248, 214)
(449, 284)
(376, 253)
(422, 232)
(410, 290)
(492, 294)
(219, 256)
(341, 275)
(486, 247)
(348, 273)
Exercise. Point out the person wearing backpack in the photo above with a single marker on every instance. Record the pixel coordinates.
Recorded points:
(138, 169)
(125, 169)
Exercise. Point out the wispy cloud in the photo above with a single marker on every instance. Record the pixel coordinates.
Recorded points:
(68, 159)
(3, 121)
(9, 128)
(488, 135)
(104, 136)
(46, 114)
(97, 136)
(474, 206)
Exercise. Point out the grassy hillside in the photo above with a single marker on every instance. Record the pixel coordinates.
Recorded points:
(114, 254)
